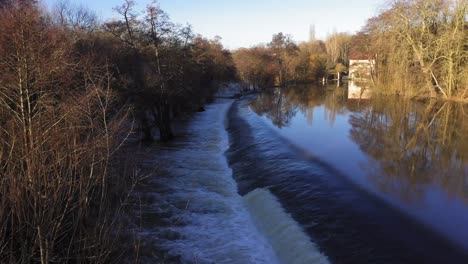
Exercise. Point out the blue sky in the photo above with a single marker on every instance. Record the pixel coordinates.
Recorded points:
(243, 23)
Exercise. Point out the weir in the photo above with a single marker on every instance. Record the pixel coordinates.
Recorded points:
(208, 221)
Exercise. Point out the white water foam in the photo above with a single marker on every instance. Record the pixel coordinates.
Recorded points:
(207, 213)
(208, 221)
(291, 244)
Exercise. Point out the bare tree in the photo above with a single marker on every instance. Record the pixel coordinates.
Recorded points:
(75, 17)
(282, 48)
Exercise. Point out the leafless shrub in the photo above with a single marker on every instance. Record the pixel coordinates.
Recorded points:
(58, 134)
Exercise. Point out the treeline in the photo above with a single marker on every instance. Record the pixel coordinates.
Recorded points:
(283, 61)
(163, 67)
(415, 48)
(71, 90)
(420, 47)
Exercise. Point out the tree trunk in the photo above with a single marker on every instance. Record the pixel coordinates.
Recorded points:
(146, 128)
(164, 123)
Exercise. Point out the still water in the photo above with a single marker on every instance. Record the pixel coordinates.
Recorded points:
(411, 155)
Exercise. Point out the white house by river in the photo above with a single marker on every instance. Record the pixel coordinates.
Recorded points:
(360, 73)
(361, 68)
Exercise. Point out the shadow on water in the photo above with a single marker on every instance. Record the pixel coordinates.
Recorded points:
(408, 156)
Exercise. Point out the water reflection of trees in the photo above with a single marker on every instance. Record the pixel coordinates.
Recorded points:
(413, 145)
(274, 105)
(281, 105)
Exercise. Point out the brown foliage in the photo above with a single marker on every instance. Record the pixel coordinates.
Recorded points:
(281, 62)
(420, 47)
(57, 138)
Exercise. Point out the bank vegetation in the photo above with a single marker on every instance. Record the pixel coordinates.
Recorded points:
(72, 90)
(420, 48)
(415, 48)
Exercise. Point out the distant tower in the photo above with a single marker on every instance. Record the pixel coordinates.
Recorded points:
(312, 33)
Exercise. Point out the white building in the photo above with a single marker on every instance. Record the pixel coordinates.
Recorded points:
(361, 69)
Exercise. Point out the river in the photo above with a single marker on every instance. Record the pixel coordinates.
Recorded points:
(312, 174)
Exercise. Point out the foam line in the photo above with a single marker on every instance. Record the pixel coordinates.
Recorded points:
(290, 243)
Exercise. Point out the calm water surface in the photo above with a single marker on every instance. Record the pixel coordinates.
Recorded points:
(413, 155)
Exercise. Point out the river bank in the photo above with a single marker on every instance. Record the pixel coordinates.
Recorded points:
(381, 90)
